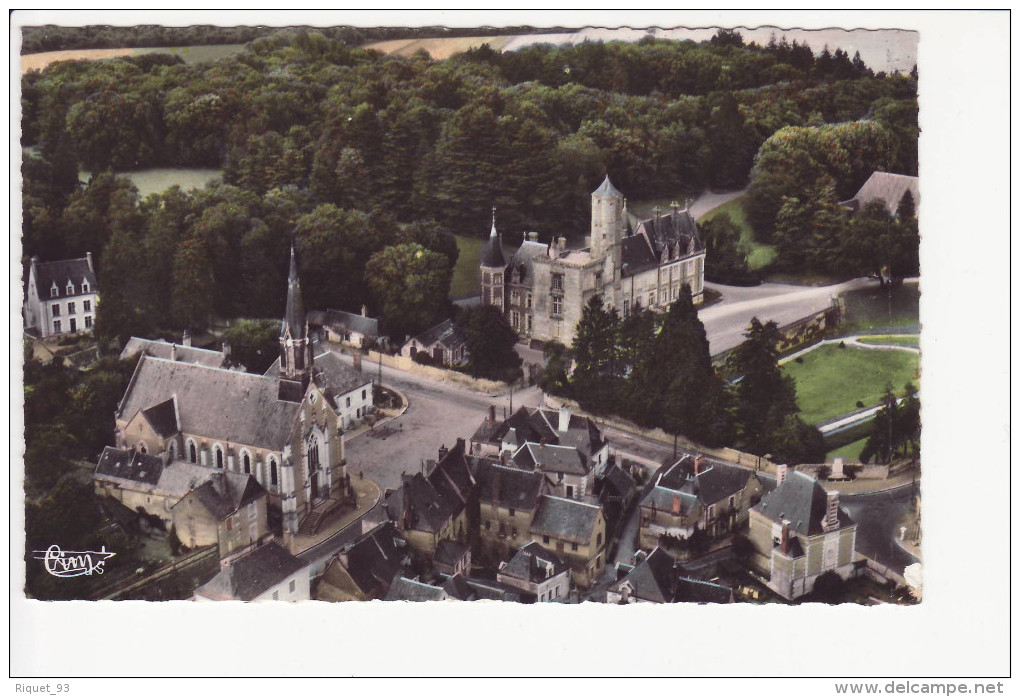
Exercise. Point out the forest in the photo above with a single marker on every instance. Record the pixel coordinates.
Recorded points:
(354, 155)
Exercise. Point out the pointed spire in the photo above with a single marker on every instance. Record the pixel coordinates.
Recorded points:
(492, 253)
(493, 233)
(607, 189)
(294, 319)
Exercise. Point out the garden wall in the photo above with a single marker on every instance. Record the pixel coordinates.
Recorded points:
(407, 364)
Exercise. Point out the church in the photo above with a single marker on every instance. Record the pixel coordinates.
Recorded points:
(285, 427)
(543, 288)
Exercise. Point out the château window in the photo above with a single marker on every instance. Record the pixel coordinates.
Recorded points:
(527, 323)
(70, 308)
(56, 326)
(70, 289)
(74, 324)
(515, 319)
(56, 310)
(192, 453)
(247, 463)
(557, 305)
(88, 322)
(219, 457)
(527, 300)
(557, 281)
(273, 477)
(87, 305)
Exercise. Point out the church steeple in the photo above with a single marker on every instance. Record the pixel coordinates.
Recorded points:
(295, 350)
(493, 267)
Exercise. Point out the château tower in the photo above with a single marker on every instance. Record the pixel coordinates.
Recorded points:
(608, 221)
(493, 266)
(295, 350)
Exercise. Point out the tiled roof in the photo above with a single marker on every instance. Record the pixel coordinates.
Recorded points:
(616, 482)
(652, 578)
(533, 563)
(163, 418)
(469, 588)
(130, 465)
(429, 503)
(523, 261)
(215, 403)
(335, 377)
(251, 575)
(446, 333)
(74, 271)
(345, 321)
(713, 483)
(183, 354)
(565, 519)
(551, 458)
(449, 552)
(801, 500)
(374, 558)
(514, 488)
(606, 188)
(225, 492)
(492, 253)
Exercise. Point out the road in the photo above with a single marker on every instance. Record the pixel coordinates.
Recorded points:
(877, 516)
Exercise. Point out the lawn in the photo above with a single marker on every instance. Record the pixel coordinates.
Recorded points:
(159, 179)
(892, 340)
(758, 255)
(465, 274)
(850, 451)
(830, 380)
(190, 54)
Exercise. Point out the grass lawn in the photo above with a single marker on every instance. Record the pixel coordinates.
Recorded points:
(892, 340)
(830, 380)
(850, 451)
(465, 275)
(758, 255)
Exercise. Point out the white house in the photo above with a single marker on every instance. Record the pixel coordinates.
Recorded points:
(267, 572)
(61, 296)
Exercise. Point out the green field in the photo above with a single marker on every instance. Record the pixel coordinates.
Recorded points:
(851, 451)
(159, 179)
(195, 54)
(892, 340)
(830, 380)
(465, 275)
(758, 255)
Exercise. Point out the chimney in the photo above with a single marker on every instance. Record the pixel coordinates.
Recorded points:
(186, 339)
(405, 514)
(784, 538)
(443, 451)
(492, 414)
(541, 443)
(564, 424)
(173, 352)
(357, 361)
(88, 260)
(553, 251)
(364, 310)
(676, 504)
(699, 462)
(562, 244)
(533, 237)
(780, 474)
(831, 511)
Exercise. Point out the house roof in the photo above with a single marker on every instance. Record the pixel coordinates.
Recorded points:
(345, 321)
(675, 231)
(887, 188)
(652, 578)
(492, 253)
(606, 188)
(510, 486)
(533, 425)
(449, 552)
(801, 500)
(469, 588)
(551, 458)
(523, 260)
(616, 482)
(581, 433)
(533, 563)
(565, 519)
(334, 377)
(163, 418)
(374, 558)
(212, 402)
(429, 503)
(713, 483)
(402, 588)
(636, 255)
(223, 492)
(130, 465)
(60, 273)
(252, 574)
(694, 590)
(158, 348)
(445, 333)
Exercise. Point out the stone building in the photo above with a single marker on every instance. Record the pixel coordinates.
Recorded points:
(543, 288)
(61, 297)
(284, 428)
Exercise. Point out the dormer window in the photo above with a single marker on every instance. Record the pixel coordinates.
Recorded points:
(85, 287)
(70, 288)
(54, 291)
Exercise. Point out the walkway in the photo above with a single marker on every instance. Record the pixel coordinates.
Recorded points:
(367, 493)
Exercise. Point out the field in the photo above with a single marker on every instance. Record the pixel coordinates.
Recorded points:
(830, 380)
(851, 451)
(156, 180)
(190, 54)
(465, 275)
(892, 340)
(758, 255)
(438, 49)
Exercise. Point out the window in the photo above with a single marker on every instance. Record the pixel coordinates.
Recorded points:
(545, 538)
(276, 595)
(54, 292)
(527, 323)
(573, 546)
(253, 532)
(497, 279)
(598, 562)
(527, 300)
(70, 308)
(515, 297)
(515, 319)
(247, 463)
(272, 473)
(676, 292)
(70, 288)
(364, 394)
(663, 297)
(293, 585)
(348, 402)
(557, 281)
(313, 454)
(88, 321)
(85, 289)
(598, 539)
(192, 453)
(557, 305)
(172, 450)
(56, 326)
(598, 279)
(651, 299)
(74, 324)
(502, 530)
(512, 511)
(488, 525)
(55, 310)
(219, 458)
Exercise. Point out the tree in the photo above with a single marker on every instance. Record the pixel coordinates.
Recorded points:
(490, 344)
(192, 301)
(557, 364)
(726, 252)
(410, 285)
(255, 343)
(597, 379)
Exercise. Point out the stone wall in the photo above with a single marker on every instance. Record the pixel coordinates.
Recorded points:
(407, 364)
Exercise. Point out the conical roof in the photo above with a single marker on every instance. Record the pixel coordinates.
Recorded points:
(492, 252)
(607, 189)
(294, 319)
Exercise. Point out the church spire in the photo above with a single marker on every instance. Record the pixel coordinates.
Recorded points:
(294, 319)
(295, 349)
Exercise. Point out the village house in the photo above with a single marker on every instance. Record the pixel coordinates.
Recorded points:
(452, 558)
(227, 509)
(575, 531)
(886, 188)
(60, 297)
(284, 428)
(693, 494)
(798, 532)
(264, 572)
(181, 353)
(364, 568)
(543, 289)
(428, 508)
(538, 571)
(359, 331)
(615, 488)
(444, 343)
(507, 500)
(470, 588)
(412, 590)
(659, 578)
(568, 471)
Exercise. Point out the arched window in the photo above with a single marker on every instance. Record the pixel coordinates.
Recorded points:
(313, 454)
(219, 457)
(272, 473)
(246, 458)
(142, 449)
(192, 453)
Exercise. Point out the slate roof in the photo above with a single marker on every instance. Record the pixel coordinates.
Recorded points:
(800, 499)
(449, 552)
(158, 348)
(446, 333)
(214, 403)
(533, 563)
(130, 465)
(334, 377)
(581, 433)
(616, 482)
(60, 272)
(339, 320)
(179, 477)
(551, 458)
(565, 519)
(249, 576)
(492, 253)
(517, 488)
(429, 503)
(523, 261)
(675, 231)
(714, 483)
(163, 418)
(402, 588)
(888, 188)
(223, 492)
(606, 188)
(652, 579)
(374, 558)
(469, 588)
(693, 590)
(294, 316)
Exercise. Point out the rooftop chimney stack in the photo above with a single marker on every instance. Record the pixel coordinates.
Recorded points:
(780, 474)
(364, 310)
(676, 504)
(356, 357)
(831, 511)
(784, 538)
(564, 424)
(88, 260)
(226, 348)
(699, 463)
(562, 243)
(492, 415)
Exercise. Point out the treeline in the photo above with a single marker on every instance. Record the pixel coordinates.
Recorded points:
(55, 38)
(656, 370)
